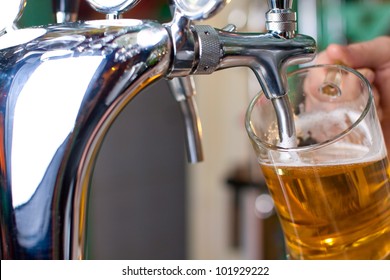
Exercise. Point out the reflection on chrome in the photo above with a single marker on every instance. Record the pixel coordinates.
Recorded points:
(21, 36)
(46, 127)
(60, 93)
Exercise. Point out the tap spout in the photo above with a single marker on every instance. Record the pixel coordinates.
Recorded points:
(183, 90)
(268, 55)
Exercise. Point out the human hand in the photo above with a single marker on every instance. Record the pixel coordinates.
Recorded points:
(372, 59)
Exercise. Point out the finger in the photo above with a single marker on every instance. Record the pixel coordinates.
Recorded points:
(382, 82)
(323, 58)
(377, 101)
(368, 74)
(370, 54)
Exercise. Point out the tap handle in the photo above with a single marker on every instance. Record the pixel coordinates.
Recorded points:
(66, 10)
(183, 89)
(113, 8)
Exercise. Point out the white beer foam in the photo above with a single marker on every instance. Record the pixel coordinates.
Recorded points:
(358, 153)
(355, 153)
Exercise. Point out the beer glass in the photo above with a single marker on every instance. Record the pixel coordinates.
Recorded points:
(331, 190)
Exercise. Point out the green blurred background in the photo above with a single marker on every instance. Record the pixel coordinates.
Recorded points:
(40, 12)
(346, 21)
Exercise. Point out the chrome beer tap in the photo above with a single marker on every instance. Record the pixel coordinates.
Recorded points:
(62, 86)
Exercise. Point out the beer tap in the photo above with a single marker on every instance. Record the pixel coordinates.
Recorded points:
(282, 20)
(62, 86)
(183, 87)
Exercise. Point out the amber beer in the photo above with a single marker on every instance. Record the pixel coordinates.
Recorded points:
(333, 211)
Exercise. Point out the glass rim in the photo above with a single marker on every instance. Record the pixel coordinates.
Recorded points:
(269, 146)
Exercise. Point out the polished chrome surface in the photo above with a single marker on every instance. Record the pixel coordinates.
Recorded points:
(10, 11)
(200, 9)
(267, 55)
(62, 87)
(280, 4)
(66, 10)
(282, 20)
(60, 93)
(112, 7)
(183, 89)
(184, 56)
(285, 121)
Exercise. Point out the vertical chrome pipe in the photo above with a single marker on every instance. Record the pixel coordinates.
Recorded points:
(281, 19)
(280, 4)
(183, 89)
(66, 10)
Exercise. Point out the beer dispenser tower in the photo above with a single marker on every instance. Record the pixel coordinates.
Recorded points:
(63, 85)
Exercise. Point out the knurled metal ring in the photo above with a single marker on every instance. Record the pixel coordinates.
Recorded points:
(286, 16)
(209, 49)
(281, 26)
